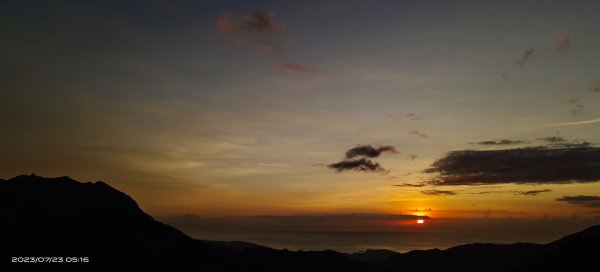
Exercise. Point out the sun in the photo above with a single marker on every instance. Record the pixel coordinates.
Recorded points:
(420, 221)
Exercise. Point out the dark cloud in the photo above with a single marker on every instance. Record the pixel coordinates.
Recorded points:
(583, 200)
(575, 144)
(294, 68)
(563, 43)
(525, 193)
(535, 165)
(352, 216)
(263, 21)
(501, 142)
(490, 192)
(368, 151)
(527, 53)
(361, 165)
(441, 192)
(438, 192)
(410, 185)
(533, 192)
(414, 132)
(554, 139)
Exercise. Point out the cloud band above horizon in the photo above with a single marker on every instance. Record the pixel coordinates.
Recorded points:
(528, 165)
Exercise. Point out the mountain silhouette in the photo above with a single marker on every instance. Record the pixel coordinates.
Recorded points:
(61, 217)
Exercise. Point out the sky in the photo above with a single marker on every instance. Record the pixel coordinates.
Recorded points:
(268, 120)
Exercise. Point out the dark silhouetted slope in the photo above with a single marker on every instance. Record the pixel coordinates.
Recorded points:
(372, 255)
(62, 217)
(472, 257)
(571, 253)
(575, 252)
(271, 260)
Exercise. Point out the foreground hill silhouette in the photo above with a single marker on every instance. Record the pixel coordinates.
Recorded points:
(46, 217)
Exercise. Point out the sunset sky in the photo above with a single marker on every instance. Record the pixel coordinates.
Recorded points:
(241, 113)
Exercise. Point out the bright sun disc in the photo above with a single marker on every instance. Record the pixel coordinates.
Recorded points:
(420, 221)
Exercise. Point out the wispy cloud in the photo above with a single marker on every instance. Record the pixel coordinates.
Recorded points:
(533, 192)
(501, 142)
(577, 110)
(422, 135)
(412, 116)
(438, 192)
(226, 23)
(583, 200)
(563, 43)
(248, 30)
(525, 56)
(527, 53)
(595, 87)
(269, 48)
(520, 193)
(584, 122)
(412, 157)
(558, 142)
(554, 139)
(263, 21)
(257, 21)
(411, 185)
(295, 68)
